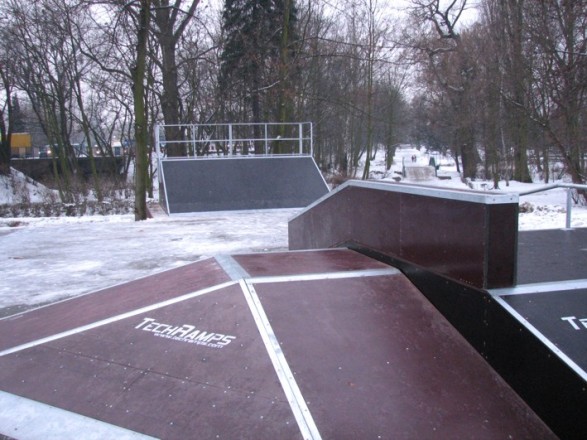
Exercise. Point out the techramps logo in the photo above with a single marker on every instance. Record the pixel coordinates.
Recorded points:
(185, 333)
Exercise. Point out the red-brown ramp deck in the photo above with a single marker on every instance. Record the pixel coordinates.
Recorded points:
(320, 344)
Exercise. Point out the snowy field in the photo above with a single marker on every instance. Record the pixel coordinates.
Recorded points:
(48, 259)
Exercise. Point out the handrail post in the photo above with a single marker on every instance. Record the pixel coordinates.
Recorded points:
(266, 146)
(157, 146)
(193, 132)
(158, 153)
(230, 146)
(301, 142)
(569, 207)
(311, 139)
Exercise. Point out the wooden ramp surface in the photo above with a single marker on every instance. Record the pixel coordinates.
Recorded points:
(319, 344)
(238, 183)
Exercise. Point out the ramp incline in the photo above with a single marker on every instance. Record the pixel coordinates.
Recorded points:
(308, 344)
(206, 184)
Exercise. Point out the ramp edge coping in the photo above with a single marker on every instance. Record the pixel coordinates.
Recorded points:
(241, 157)
(551, 286)
(425, 191)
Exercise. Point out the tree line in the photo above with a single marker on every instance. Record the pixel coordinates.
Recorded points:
(504, 92)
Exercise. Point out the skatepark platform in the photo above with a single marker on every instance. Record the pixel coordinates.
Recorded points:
(519, 298)
(310, 344)
(400, 312)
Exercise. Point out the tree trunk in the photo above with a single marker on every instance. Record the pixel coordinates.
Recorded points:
(168, 35)
(256, 110)
(170, 100)
(285, 100)
(4, 148)
(141, 129)
(5, 131)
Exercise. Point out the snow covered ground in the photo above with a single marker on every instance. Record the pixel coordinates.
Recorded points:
(47, 259)
(548, 208)
(43, 260)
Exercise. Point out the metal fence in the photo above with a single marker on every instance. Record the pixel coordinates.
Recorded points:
(230, 139)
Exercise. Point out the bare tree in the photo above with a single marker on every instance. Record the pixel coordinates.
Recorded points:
(141, 128)
(450, 68)
(44, 63)
(120, 48)
(558, 31)
(392, 121)
(169, 23)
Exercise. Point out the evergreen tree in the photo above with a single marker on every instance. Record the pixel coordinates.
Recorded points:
(256, 56)
(18, 120)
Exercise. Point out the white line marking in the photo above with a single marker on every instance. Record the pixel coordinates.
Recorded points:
(542, 338)
(270, 279)
(326, 276)
(115, 318)
(304, 418)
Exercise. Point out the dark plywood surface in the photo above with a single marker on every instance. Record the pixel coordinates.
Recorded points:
(560, 316)
(83, 310)
(374, 359)
(242, 183)
(552, 255)
(306, 262)
(166, 387)
(451, 236)
(371, 356)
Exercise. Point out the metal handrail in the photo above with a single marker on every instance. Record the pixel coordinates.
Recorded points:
(305, 135)
(568, 186)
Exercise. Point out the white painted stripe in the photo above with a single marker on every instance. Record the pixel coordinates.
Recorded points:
(555, 286)
(27, 419)
(542, 338)
(304, 418)
(327, 276)
(116, 318)
(234, 270)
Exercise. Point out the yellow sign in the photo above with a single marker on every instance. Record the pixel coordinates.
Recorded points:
(20, 140)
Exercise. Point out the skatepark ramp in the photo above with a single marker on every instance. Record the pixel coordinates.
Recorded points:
(395, 315)
(239, 183)
(416, 172)
(238, 167)
(462, 250)
(469, 236)
(296, 345)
